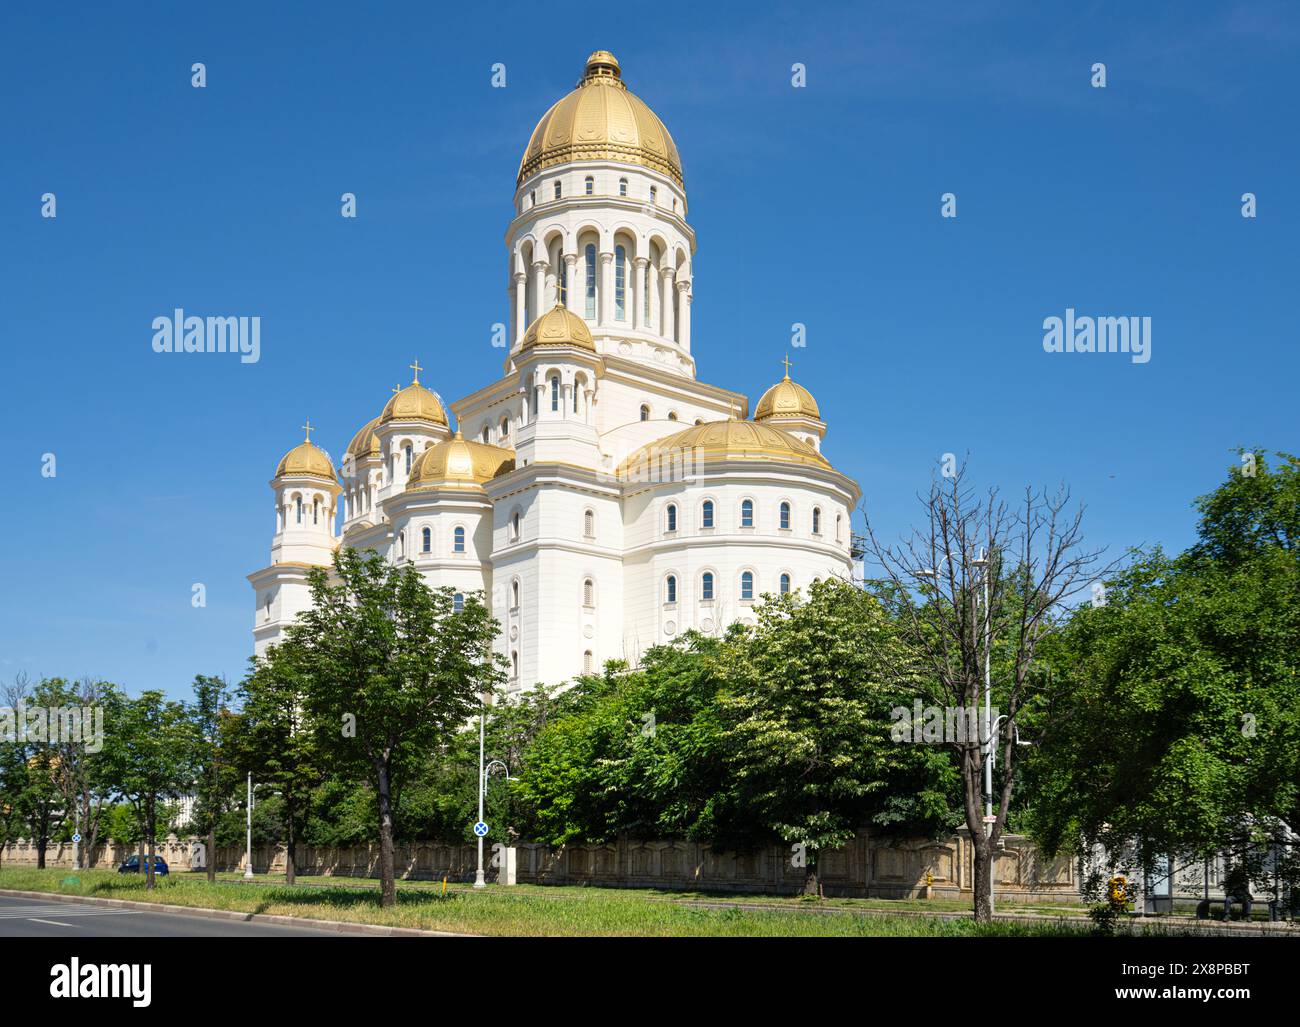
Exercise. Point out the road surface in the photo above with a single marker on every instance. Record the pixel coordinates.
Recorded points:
(38, 918)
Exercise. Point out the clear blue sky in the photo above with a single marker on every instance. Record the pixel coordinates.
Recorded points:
(818, 205)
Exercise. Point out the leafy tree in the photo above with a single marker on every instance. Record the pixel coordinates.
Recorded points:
(217, 775)
(393, 670)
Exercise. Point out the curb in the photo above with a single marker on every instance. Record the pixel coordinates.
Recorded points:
(341, 926)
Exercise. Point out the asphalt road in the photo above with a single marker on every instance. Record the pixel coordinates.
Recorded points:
(36, 918)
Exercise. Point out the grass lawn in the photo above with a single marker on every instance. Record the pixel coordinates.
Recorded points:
(529, 910)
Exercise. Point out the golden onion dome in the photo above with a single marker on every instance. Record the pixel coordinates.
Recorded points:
(414, 403)
(727, 440)
(601, 120)
(309, 460)
(559, 326)
(459, 463)
(787, 398)
(365, 442)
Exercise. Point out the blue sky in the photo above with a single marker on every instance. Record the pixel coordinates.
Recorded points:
(817, 205)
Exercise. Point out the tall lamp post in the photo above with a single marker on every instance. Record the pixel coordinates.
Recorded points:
(482, 716)
(248, 865)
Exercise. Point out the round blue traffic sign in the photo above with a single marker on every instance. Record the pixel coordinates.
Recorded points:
(481, 829)
(76, 837)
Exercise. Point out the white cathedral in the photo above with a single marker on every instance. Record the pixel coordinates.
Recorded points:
(602, 497)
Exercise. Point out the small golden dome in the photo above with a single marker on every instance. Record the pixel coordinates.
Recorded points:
(601, 120)
(307, 459)
(559, 326)
(414, 403)
(727, 440)
(458, 463)
(365, 442)
(787, 398)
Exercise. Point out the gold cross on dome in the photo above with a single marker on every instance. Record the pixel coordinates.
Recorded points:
(417, 369)
(308, 429)
(786, 361)
(396, 389)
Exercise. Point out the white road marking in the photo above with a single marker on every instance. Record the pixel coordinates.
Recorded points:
(54, 923)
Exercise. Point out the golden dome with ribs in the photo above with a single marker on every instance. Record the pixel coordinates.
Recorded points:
(459, 463)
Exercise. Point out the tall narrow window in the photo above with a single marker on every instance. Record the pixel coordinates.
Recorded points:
(587, 662)
(514, 665)
(747, 514)
(785, 516)
(315, 511)
(645, 292)
(654, 194)
(620, 283)
(558, 190)
(401, 544)
(298, 509)
(747, 585)
(672, 516)
(589, 524)
(514, 526)
(589, 184)
(706, 514)
(458, 540)
(817, 520)
(458, 602)
(426, 540)
(839, 528)
(505, 427)
(409, 455)
(562, 281)
(590, 254)
(645, 412)
(706, 587)
(486, 435)
(785, 584)
(622, 187)
(514, 595)
(588, 593)
(672, 588)
(555, 392)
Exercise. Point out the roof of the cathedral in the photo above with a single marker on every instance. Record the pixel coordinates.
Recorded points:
(559, 326)
(459, 463)
(309, 460)
(601, 120)
(414, 403)
(729, 440)
(787, 398)
(365, 442)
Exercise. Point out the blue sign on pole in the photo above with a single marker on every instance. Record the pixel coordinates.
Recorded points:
(481, 829)
(76, 837)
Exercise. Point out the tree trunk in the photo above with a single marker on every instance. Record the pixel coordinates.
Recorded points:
(291, 843)
(149, 828)
(812, 884)
(211, 854)
(387, 886)
(41, 843)
(983, 896)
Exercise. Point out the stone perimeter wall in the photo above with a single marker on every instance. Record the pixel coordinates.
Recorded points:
(867, 867)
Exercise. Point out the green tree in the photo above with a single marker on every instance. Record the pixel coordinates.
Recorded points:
(393, 671)
(216, 773)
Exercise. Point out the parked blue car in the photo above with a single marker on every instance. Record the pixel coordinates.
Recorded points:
(136, 865)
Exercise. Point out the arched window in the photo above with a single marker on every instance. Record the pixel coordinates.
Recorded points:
(315, 511)
(458, 540)
(298, 508)
(590, 184)
(747, 514)
(505, 427)
(672, 517)
(839, 527)
(409, 455)
(672, 415)
(706, 514)
(555, 392)
(785, 516)
(645, 412)
(586, 662)
(514, 526)
(514, 665)
(268, 606)
(487, 436)
(588, 593)
(590, 254)
(401, 544)
(622, 187)
(747, 586)
(785, 584)
(654, 195)
(589, 524)
(672, 588)
(706, 587)
(576, 389)
(620, 283)
(561, 280)
(817, 520)
(558, 191)
(645, 293)
(532, 198)
(458, 602)
(514, 595)
(426, 540)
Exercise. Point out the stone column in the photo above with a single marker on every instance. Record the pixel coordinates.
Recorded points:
(653, 324)
(605, 308)
(539, 288)
(638, 292)
(668, 325)
(684, 312)
(576, 290)
(521, 305)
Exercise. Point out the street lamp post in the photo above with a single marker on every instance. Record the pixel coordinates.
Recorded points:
(248, 867)
(478, 874)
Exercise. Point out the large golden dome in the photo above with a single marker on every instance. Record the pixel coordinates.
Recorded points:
(601, 120)
(726, 440)
(559, 326)
(787, 399)
(365, 442)
(458, 463)
(307, 459)
(414, 403)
